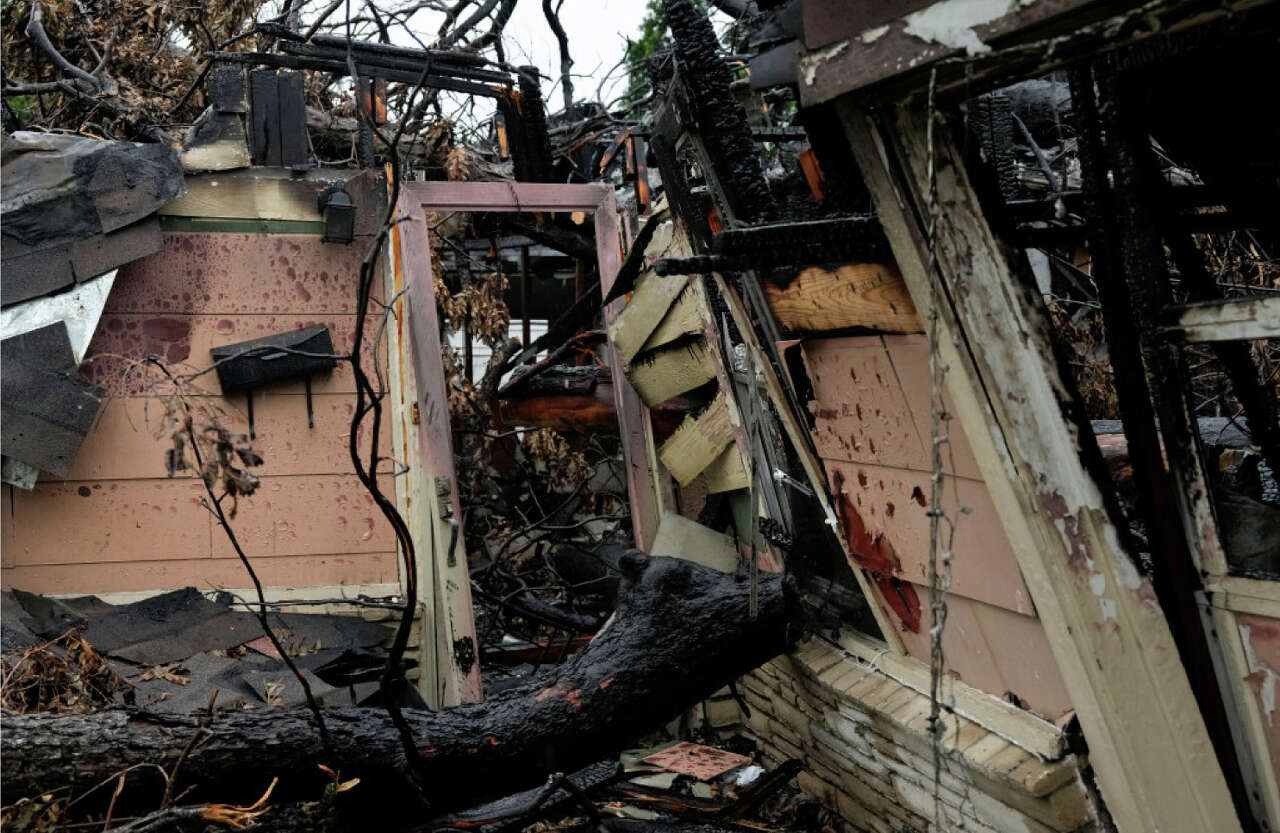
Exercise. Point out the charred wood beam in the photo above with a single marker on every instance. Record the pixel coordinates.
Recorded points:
(680, 632)
(558, 237)
(340, 68)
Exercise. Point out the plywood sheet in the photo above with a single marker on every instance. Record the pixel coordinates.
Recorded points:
(681, 537)
(683, 319)
(870, 295)
(727, 472)
(698, 441)
(671, 371)
(645, 309)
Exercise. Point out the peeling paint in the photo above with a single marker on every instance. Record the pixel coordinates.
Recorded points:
(873, 35)
(811, 62)
(1265, 676)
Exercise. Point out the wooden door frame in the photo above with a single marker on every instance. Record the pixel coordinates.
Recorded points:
(448, 678)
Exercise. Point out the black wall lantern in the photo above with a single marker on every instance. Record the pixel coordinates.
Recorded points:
(339, 213)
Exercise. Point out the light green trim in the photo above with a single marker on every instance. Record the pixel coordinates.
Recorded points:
(242, 225)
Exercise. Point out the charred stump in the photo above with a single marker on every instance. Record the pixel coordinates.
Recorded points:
(680, 632)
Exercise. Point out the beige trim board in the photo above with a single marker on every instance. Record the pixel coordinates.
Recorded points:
(1018, 726)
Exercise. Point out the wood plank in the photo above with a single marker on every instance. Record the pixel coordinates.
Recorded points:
(870, 295)
(1246, 595)
(1148, 744)
(414, 487)
(225, 195)
(698, 441)
(670, 371)
(506, 196)
(681, 537)
(1018, 726)
(1237, 319)
(726, 473)
(681, 321)
(645, 309)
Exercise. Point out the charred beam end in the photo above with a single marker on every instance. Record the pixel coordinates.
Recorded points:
(681, 632)
(856, 239)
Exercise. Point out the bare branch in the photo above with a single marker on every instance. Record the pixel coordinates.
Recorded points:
(35, 31)
(566, 62)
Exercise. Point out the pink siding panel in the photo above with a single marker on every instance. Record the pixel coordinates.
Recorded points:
(126, 520)
(995, 651)
(893, 503)
(203, 574)
(185, 341)
(205, 272)
(121, 524)
(330, 514)
(125, 443)
(860, 413)
(910, 357)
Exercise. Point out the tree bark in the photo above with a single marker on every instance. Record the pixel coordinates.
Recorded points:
(681, 631)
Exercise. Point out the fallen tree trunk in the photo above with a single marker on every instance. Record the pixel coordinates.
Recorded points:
(680, 632)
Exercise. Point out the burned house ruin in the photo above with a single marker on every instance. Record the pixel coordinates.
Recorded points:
(868, 422)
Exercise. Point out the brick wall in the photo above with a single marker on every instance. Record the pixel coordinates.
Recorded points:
(864, 739)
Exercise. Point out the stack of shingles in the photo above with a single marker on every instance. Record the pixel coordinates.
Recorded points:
(72, 209)
(177, 647)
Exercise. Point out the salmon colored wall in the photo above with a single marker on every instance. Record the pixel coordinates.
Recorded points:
(117, 523)
(872, 428)
(1261, 637)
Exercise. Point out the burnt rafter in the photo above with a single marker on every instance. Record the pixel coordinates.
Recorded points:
(461, 72)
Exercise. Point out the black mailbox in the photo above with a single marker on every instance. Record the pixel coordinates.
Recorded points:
(296, 354)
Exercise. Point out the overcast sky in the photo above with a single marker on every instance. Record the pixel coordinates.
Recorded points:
(596, 30)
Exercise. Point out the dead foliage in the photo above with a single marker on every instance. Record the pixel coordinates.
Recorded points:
(64, 675)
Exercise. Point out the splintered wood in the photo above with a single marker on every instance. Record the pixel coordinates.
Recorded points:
(698, 442)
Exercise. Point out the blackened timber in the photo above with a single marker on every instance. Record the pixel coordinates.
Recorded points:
(373, 59)
(265, 101)
(681, 632)
(341, 69)
(292, 103)
(437, 55)
(721, 119)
